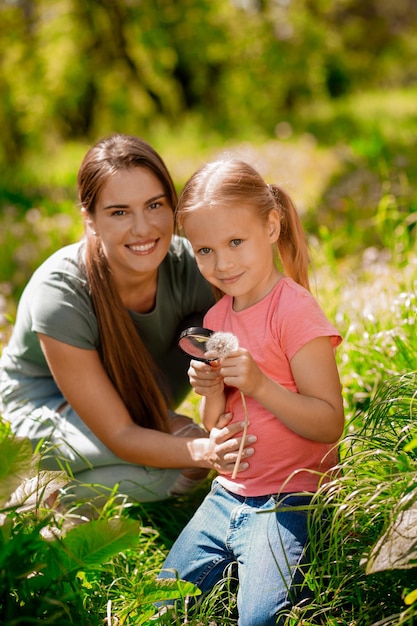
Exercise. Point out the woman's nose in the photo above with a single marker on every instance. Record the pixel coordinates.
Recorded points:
(139, 223)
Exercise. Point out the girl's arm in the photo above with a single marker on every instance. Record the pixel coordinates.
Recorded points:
(206, 382)
(211, 408)
(84, 383)
(316, 411)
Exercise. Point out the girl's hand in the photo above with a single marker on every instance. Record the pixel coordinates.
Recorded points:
(205, 379)
(223, 446)
(240, 370)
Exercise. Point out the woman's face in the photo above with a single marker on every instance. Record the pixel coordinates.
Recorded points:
(135, 223)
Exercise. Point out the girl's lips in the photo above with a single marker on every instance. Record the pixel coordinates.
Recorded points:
(230, 280)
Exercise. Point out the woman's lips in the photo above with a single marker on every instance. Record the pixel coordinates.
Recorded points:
(142, 248)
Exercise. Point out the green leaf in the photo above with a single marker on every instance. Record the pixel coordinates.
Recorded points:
(92, 544)
(16, 464)
(32, 491)
(411, 597)
(163, 589)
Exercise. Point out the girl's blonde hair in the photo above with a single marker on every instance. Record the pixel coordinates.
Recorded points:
(230, 183)
(126, 360)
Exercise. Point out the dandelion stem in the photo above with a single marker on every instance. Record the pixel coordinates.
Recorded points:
(242, 443)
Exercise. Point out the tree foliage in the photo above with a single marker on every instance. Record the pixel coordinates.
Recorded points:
(82, 68)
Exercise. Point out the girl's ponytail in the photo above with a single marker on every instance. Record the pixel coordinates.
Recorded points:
(292, 245)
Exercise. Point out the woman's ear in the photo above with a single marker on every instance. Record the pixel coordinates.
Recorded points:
(88, 221)
(274, 226)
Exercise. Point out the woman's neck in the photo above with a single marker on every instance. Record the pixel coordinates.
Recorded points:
(139, 294)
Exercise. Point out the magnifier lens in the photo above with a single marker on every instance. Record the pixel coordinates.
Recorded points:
(193, 342)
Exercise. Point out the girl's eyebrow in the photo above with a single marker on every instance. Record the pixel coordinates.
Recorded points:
(125, 206)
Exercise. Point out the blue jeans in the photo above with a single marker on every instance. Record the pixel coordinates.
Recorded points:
(268, 547)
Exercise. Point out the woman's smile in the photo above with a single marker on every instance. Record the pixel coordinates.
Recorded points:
(143, 248)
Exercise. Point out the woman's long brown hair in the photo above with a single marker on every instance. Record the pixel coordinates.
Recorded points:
(126, 360)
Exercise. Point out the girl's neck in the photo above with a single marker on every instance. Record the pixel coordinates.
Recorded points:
(240, 303)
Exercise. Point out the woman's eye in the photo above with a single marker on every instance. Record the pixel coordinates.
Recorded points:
(236, 242)
(155, 205)
(119, 212)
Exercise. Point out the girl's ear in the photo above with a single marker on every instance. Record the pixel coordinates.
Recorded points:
(274, 226)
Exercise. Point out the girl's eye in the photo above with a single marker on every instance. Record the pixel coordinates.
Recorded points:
(236, 242)
(119, 212)
(155, 205)
(204, 251)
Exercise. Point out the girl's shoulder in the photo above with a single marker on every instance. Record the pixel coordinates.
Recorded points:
(298, 313)
(288, 293)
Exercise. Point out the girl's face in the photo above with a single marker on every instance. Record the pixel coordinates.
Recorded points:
(233, 248)
(135, 223)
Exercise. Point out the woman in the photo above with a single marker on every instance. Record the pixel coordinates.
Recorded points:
(92, 368)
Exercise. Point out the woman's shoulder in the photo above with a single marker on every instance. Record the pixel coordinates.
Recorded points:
(180, 249)
(71, 254)
(62, 271)
(180, 260)
(68, 260)
(58, 301)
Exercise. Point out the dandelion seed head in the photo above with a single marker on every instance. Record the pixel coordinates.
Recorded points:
(222, 344)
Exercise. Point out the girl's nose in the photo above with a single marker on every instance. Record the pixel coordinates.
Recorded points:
(223, 261)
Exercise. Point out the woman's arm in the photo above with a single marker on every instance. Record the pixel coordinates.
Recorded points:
(84, 383)
(316, 411)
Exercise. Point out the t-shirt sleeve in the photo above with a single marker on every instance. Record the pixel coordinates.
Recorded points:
(301, 320)
(61, 308)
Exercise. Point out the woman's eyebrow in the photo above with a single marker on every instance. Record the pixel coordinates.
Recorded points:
(125, 206)
(158, 197)
(115, 206)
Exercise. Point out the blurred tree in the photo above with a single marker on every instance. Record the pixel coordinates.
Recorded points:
(82, 68)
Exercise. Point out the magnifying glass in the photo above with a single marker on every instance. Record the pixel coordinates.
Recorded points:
(193, 342)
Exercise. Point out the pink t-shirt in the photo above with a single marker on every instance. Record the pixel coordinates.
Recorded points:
(273, 330)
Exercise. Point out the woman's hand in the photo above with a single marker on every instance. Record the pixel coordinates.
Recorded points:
(223, 446)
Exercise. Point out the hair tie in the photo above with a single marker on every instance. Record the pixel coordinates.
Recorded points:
(274, 191)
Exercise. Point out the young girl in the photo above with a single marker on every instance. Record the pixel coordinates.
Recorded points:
(285, 368)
